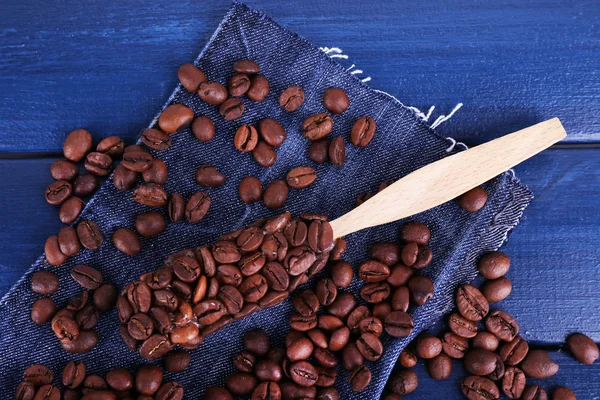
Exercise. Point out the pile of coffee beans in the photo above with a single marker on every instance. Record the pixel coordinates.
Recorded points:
(73, 325)
(199, 291)
(118, 383)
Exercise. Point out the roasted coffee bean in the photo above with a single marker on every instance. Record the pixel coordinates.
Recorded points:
(296, 232)
(343, 304)
(245, 66)
(473, 200)
(140, 326)
(137, 161)
(170, 391)
(275, 194)
(148, 379)
(337, 151)
(376, 292)
(197, 207)
(480, 362)
(155, 347)
(231, 109)
(302, 323)
(276, 354)
(73, 374)
(356, 316)
(513, 383)
(157, 173)
(535, 392)
(421, 289)
(238, 84)
(471, 303)
(502, 325)
(363, 131)
(217, 393)
(398, 324)
(250, 239)
(538, 365)
(150, 224)
(85, 342)
(373, 271)
(175, 117)
(303, 373)
(176, 207)
(300, 348)
(402, 382)
(127, 242)
(317, 126)
(119, 379)
(401, 299)
(301, 177)
(124, 309)
(462, 326)
(328, 393)
(244, 362)
(513, 352)
(112, 146)
(387, 253)
(150, 194)
(485, 340)
(241, 384)
(246, 138)
(583, 348)
(326, 291)
(166, 299)
(25, 391)
(327, 376)
(335, 100)
(298, 280)
(267, 391)
(276, 276)
(54, 256)
(184, 333)
(409, 253)
(65, 327)
(341, 274)
(204, 255)
(212, 92)
(424, 257)
(77, 145)
(415, 232)
(38, 375)
(88, 277)
(63, 170)
(339, 338)
(250, 189)
(428, 346)
(58, 191)
(351, 357)
(306, 303)
(209, 311)
(369, 346)
(123, 178)
(479, 388)
(440, 367)
(47, 392)
(139, 296)
(257, 342)
(87, 317)
(496, 290)
(499, 369)
(133, 147)
(321, 354)
(252, 263)
(299, 260)
(105, 297)
(264, 155)
(318, 151)
(156, 139)
(209, 176)
(563, 393)
(291, 98)
(226, 252)
(253, 288)
(229, 275)
(203, 128)
(259, 88)
(43, 310)
(271, 132)
(407, 359)
(454, 345)
(359, 378)
(400, 275)
(85, 185)
(320, 236)
(190, 77)
(44, 282)
(274, 246)
(70, 210)
(339, 248)
(98, 163)
(231, 298)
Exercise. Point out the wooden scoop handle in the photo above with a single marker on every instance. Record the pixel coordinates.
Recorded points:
(449, 177)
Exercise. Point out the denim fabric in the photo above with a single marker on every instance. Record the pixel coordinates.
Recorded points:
(402, 144)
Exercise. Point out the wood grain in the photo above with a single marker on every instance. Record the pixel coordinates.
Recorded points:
(511, 63)
(448, 178)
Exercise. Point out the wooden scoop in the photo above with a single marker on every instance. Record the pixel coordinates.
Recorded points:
(449, 177)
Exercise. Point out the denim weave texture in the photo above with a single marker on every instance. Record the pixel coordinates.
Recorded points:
(402, 144)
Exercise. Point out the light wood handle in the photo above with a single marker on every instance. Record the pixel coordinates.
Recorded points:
(449, 177)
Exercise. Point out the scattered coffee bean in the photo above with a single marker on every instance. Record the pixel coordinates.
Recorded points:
(176, 207)
(137, 161)
(85, 185)
(190, 77)
(421, 289)
(68, 242)
(177, 361)
(123, 178)
(335, 100)
(275, 194)
(77, 145)
(404, 381)
(43, 310)
(197, 207)
(70, 210)
(538, 365)
(337, 151)
(471, 303)
(238, 84)
(415, 232)
(398, 324)
(563, 393)
(209, 176)
(245, 66)
(250, 189)
(494, 265)
(440, 367)
(291, 98)
(301, 177)
(63, 170)
(462, 326)
(127, 242)
(583, 348)
(317, 126)
(105, 297)
(175, 117)
(88, 277)
(150, 194)
(318, 151)
(150, 223)
(485, 340)
(231, 109)
(480, 388)
(264, 155)
(44, 282)
(246, 138)
(363, 131)
(502, 325)
(456, 346)
(387, 253)
(428, 346)
(98, 163)
(496, 290)
(156, 173)
(203, 128)
(513, 383)
(359, 378)
(113, 146)
(473, 200)
(58, 191)
(259, 88)
(212, 92)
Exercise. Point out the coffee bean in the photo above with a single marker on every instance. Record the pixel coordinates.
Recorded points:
(306, 303)
(226, 252)
(497, 289)
(341, 273)
(271, 132)
(157, 173)
(38, 375)
(264, 155)
(170, 391)
(363, 131)
(339, 338)
(105, 297)
(231, 109)
(87, 317)
(57, 192)
(217, 393)
(209, 176)
(85, 342)
(401, 299)
(428, 346)
(275, 194)
(47, 392)
(52, 251)
(387, 253)
(77, 145)
(359, 378)
(513, 383)
(398, 324)
(246, 138)
(184, 332)
(480, 362)
(499, 369)
(375, 292)
(253, 288)
(259, 88)
(485, 340)
(127, 242)
(326, 291)
(424, 257)
(244, 362)
(301, 177)
(156, 139)
(318, 151)
(351, 357)
(291, 98)
(155, 347)
(300, 349)
(302, 323)
(159, 278)
(150, 224)
(175, 117)
(241, 384)
(317, 126)
(321, 354)
(119, 379)
(252, 263)
(267, 391)
(415, 232)
(563, 393)
(502, 325)
(343, 304)
(123, 178)
(137, 161)
(148, 379)
(583, 348)
(70, 210)
(229, 275)
(303, 373)
(369, 346)
(479, 388)
(535, 392)
(339, 248)
(238, 84)
(85, 185)
(98, 163)
(140, 326)
(274, 246)
(250, 189)
(65, 328)
(454, 345)
(272, 298)
(176, 207)
(296, 232)
(494, 265)
(538, 365)
(337, 151)
(471, 303)
(403, 382)
(190, 77)
(421, 289)
(25, 391)
(150, 194)
(400, 275)
(73, 374)
(373, 271)
(63, 170)
(335, 100)
(473, 200)
(462, 326)
(77, 302)
(245, 66)
(209, 311)
(212, 92)
(44, 282)
(440, 367)
(197, 207)
(320, 236)
(407, 359)
(139, 296)
(356, 316)
(88, 277)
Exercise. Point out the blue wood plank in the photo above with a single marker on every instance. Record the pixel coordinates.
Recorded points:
(109, 69)
(555, 250)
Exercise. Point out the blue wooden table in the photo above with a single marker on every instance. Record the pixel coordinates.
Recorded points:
(109, 68)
